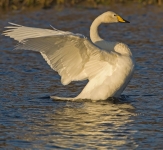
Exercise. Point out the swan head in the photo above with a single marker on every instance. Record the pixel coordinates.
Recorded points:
(111, 17)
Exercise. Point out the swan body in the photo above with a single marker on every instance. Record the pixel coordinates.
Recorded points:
(107, 65)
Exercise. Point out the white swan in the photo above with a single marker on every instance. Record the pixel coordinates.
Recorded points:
(107, 65)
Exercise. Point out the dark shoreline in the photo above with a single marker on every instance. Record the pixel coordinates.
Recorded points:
(8, 5)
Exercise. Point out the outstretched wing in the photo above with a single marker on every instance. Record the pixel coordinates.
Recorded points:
(72, 55)
(20, 33)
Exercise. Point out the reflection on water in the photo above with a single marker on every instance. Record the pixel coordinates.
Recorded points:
(86, 124)
(67, 124)
(30, 119)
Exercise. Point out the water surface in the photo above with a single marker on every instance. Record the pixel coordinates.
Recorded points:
(29, 119)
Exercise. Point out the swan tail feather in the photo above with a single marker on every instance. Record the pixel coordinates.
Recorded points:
(62, 98)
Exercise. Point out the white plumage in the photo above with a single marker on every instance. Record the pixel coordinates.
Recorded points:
(107, 65)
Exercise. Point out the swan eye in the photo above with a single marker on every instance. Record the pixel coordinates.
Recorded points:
(115, 15)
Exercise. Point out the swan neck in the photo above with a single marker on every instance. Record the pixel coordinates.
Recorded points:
(94, 30)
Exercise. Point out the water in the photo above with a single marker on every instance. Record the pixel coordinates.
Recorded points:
(29, 119)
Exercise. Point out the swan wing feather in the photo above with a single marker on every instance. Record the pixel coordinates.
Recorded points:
(73, 56)
(19, 32)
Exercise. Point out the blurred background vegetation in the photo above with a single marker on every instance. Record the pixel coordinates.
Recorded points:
(24, 4)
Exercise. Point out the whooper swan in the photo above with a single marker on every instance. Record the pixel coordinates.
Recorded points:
(108, 66)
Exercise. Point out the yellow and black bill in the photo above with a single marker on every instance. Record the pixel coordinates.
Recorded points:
(120, 19)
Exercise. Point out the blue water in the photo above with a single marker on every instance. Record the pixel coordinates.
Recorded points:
(29, 119)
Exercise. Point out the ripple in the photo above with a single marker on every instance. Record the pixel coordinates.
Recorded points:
(29, 119)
